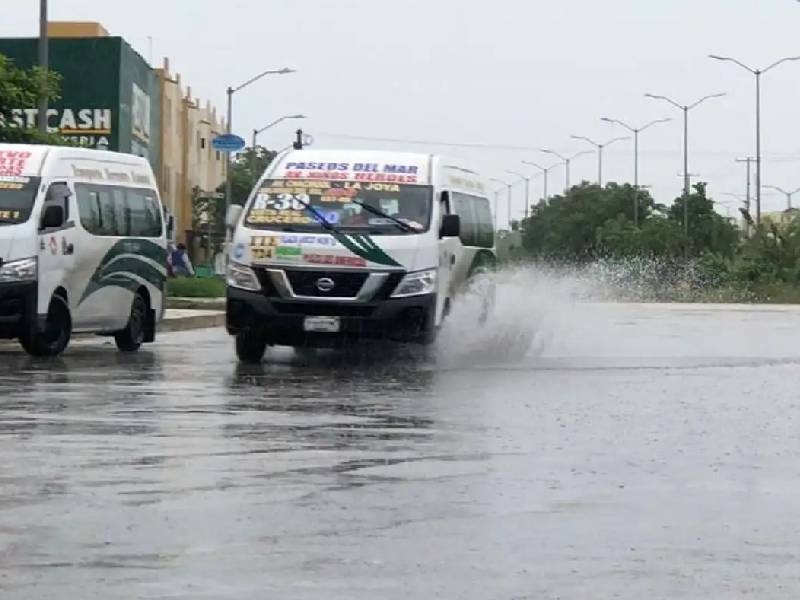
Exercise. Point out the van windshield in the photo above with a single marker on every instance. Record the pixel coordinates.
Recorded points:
(379, 208)
(17, 195)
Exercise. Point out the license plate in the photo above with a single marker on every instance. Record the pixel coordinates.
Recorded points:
(321, 324)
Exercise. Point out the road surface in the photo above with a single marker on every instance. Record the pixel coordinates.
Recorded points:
(634, 451)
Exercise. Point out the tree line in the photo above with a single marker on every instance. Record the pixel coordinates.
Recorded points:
(590, 223)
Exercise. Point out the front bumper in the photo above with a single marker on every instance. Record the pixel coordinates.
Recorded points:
(17, 309)
(280, 320)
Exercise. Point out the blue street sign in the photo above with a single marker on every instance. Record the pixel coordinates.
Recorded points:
(227, 142)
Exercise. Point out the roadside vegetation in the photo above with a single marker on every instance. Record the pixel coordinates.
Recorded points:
(654, 257)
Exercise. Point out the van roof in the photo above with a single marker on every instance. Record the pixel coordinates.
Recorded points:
(28, 160)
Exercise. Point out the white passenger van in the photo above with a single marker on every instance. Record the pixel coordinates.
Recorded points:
(82, 247)
(336, 245)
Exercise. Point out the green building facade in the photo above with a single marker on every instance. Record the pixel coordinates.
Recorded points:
(110, 96)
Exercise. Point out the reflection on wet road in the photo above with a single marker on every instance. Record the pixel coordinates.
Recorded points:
(644, 451)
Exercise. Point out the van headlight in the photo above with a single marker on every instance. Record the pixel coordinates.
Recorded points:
(242, 277)
(416, 284)
(18, 270)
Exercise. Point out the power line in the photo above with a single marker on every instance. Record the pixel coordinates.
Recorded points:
(512, 148)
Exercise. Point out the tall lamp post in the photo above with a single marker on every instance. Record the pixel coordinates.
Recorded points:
(527, 181)
(545, 171)
(786, 193)
(567, 161)
(599, 152)
(636, 131)
(257, 132)
(229, 126)
(508, 190)
(687, 186)
(758, 73)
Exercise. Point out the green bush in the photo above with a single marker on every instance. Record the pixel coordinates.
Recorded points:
(195, 287)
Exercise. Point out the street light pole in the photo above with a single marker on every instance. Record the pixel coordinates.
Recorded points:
(747, 162)
(788, 194)
(567, 161)
(497, 198)
(757, 73)
(257, 132)
(527, 195)
(636, 131)
(229, 128)
(44, 64)
(545, 171)
(599, 153)
(685, 108)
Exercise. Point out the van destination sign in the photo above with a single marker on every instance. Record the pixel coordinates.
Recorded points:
(394, 173)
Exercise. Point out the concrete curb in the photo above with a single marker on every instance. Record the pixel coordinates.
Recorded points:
(189, 322)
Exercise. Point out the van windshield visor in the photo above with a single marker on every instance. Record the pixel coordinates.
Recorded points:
(377, 208)
(17, 195)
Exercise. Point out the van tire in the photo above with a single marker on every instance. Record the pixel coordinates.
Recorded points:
(250, 347)
(132, 337)
(54, 339)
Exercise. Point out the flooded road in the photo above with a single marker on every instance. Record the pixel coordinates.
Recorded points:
(637, 451)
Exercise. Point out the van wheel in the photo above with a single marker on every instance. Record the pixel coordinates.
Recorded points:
(250, 347)
(131, 338)
(57, 331)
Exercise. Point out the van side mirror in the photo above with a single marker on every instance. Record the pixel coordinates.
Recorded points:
(232, 217)
(53, 216)
(451, 226)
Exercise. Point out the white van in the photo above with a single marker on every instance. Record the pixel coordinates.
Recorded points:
(82, 247)
(335, 245)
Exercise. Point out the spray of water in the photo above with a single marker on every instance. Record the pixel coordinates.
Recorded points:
(534, 301)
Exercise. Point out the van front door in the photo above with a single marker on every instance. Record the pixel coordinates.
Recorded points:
(57, 246)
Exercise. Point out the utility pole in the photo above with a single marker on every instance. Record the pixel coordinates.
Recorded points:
(44, 64)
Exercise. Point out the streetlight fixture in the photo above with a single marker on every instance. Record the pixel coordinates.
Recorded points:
(257, 132)
(496, 198)
(785, 193)
(757, 73)
(567, 161)
(527, 181)
(545, 171)
(599, 152)
(687, 188)
(229, 127)
(636, 131)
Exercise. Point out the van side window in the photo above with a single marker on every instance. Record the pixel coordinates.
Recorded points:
(476, 219)
(89, 207)
(463, 206)
(145, 216)
(107, 210)
(483, 212)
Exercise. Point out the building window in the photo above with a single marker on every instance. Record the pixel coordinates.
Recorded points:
(203, 142)
(217, 153)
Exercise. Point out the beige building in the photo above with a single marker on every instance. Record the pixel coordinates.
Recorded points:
(190, 167)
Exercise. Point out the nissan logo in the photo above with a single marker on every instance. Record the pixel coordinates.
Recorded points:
(325, 284)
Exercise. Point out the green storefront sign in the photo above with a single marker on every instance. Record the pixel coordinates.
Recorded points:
(109, 94)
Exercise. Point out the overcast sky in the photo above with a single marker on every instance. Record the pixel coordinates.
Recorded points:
(525, 73)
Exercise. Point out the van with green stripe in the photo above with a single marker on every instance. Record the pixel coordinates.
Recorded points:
(82, 247)
(338, 246)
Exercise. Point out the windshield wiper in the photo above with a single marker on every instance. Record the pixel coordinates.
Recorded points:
(377, 211)
(9, 220)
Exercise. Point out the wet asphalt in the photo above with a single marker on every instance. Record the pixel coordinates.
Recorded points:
(634, 451)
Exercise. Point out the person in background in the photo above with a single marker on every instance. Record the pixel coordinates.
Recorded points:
(179, 262)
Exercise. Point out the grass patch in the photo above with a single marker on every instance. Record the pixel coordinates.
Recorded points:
(195, 287)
